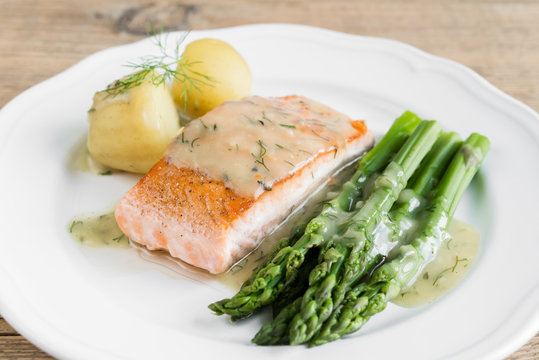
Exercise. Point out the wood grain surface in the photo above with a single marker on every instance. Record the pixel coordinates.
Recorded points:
(498, 39)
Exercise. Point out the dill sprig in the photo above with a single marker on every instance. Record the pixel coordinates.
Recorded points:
(163, 68)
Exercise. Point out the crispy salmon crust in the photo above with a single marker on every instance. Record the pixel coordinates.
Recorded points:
(205, 223)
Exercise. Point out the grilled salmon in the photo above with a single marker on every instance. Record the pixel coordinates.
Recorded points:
(234, 174)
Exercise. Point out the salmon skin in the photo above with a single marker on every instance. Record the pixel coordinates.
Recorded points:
(233, 175)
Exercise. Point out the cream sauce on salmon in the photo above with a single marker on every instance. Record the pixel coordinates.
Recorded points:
(254, 143)
(451, 264)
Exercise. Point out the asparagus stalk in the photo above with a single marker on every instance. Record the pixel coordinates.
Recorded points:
(277, 331)
(370, 298)
(269, 280)
(348, 251)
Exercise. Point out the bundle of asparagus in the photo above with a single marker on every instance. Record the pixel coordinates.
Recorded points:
(414, 172)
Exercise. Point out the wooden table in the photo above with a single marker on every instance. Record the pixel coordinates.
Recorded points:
(498, 39)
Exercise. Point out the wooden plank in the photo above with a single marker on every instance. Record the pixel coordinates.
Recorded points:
(530, 351)
(6, 329)
(495, 38)
(18, 348)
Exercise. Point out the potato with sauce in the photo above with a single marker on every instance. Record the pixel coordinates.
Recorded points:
(132, 122)
(226, 76)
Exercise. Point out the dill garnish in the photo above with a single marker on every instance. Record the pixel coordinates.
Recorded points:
(305, 151)
(279, 146)
(117, 239)
(288, 126)
(73, 224)
(259, 159)
(452, 269)
(202, 122)
(193, 142)
(162, 68)
(264, 117)
(289, 163)
(320, 136)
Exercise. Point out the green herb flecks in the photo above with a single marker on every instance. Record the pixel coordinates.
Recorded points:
(288, 126)
(289, 163)
(320, 136)
(449, 269)
(259, 159)
(73, 224)
(202, 122)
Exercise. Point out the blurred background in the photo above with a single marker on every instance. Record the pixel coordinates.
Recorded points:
(499, 39)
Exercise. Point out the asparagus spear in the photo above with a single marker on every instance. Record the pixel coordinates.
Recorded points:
(269, 280)
(368, 299)
(421, 183)
(358, 239)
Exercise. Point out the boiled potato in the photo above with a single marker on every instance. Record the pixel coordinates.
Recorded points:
(131, 130)
(229, 73)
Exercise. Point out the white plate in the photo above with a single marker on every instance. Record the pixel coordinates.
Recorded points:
(77, 302)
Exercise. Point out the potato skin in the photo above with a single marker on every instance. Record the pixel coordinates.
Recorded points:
(131, 130)
(231, 77)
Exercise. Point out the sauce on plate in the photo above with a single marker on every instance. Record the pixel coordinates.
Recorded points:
(451, 264)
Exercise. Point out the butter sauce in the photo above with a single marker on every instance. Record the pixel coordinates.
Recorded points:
(99, 230)
(270, 139)
(452, 262)
(81, 160)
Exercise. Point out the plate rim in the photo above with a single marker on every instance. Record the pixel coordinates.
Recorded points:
(11, 314)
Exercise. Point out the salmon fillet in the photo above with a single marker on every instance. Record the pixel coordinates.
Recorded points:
(205, 219)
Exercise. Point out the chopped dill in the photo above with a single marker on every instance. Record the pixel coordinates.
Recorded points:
(73, 224)
(305, 151)
(320, 136)
(193, 142)
(279, 146)
(452, 269)
(214, 127)
(264, 117)
(202, 122)
(117, 239)
(457, 262)
(259, 159)
(288, 126)
(108, 172)
(289, 163)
